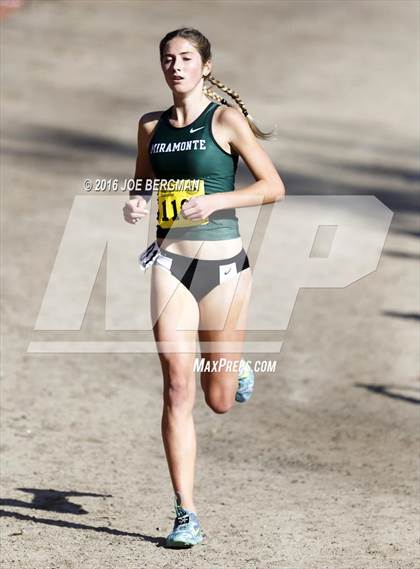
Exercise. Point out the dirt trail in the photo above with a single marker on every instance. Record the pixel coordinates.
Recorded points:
(319, 471)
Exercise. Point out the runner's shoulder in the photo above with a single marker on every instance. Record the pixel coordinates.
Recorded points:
(148, 121)
(231, 117)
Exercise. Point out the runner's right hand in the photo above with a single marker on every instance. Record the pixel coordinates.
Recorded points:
(135, 209)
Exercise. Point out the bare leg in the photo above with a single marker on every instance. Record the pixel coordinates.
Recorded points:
(168, 301)
(223, 314)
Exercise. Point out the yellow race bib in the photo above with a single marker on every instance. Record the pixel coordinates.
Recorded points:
(172, 195)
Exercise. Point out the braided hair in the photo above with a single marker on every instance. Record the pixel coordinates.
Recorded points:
(202, 45)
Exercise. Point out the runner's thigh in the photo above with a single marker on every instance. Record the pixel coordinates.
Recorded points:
(175, 318)
(223, 315)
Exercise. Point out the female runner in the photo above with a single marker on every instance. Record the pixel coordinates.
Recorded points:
(201, 278)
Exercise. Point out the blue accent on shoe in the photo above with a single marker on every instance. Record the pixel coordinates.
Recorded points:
(187, 531)
(246, 380)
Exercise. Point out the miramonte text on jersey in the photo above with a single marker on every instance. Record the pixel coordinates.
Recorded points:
(184, 146)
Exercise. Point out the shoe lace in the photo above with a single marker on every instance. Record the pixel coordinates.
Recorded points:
(182, 519)
(182, 516)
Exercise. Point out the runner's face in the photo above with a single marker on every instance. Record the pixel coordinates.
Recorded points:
(181, 58)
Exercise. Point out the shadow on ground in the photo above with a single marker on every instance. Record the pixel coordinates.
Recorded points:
(392, 391)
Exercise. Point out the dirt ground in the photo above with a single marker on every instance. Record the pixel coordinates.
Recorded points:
(320, 469)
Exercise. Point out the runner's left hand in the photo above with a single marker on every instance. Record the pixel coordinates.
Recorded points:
(200, 207)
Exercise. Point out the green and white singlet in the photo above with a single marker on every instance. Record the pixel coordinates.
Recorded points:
(192, 153)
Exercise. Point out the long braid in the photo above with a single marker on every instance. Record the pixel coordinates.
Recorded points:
(236, 97)
(210, 93)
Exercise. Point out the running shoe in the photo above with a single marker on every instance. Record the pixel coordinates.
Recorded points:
(245, 383)
(187, 531)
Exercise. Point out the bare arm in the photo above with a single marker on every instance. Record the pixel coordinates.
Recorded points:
(136, 207)
(144, 169)
(268, 186)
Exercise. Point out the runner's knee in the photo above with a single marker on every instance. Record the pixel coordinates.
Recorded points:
(178, 386)
(219, 405)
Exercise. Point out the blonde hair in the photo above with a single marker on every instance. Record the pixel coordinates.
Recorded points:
(203, 47)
